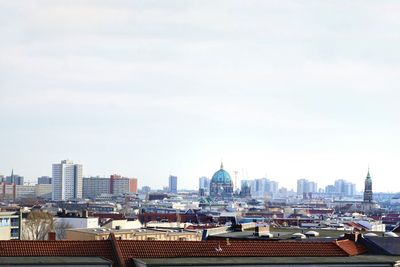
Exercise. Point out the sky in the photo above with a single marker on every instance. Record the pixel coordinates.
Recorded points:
(278, 89)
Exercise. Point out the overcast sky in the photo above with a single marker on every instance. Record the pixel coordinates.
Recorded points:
(282, 89)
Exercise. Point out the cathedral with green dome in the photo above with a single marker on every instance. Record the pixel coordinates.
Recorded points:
(221, 185)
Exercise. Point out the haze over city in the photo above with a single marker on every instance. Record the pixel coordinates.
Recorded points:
(152, 88)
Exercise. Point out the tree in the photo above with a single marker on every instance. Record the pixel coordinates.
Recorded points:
(60, 229)
(37, 225)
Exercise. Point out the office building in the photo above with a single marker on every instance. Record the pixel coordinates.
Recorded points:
(44, 180)
(262, 187)
(67, 181)
(95, 186)
(25, 191)
(173, 184)
(122, 185)
(204, 183)
(305, 186)
(7, 192)
(344, 188)
(43, 191)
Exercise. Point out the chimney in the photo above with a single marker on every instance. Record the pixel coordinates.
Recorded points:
(84, 214)
(352, 236)
(51, 236)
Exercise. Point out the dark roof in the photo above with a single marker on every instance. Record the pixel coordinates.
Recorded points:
(215, 261)
(385, 245)
(98, 261)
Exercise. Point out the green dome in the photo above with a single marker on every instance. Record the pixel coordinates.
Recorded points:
(221, 177)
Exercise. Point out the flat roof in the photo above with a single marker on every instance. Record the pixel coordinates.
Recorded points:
(134, 230)
(215, 261)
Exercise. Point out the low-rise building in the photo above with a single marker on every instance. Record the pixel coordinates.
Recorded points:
(9, 225)
(43, 191)
(74, 220)
(134, 234)
(25, 191)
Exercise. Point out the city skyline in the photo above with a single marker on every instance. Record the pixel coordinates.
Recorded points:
(149, 89)
(294, 185)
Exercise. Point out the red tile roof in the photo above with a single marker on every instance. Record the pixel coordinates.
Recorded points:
(176, 249)
(351, 247)
(122, 251)
(22, 248)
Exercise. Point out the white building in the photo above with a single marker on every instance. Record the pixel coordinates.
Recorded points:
(78, 222)
(67, 180)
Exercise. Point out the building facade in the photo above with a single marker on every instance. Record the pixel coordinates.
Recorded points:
(9, 225)
(43, 191)
(173, 184)
(67, 181)
(14, 178)
(122, 185)
(305, 186)
(25, 191)
(95, 186)
(44, 180)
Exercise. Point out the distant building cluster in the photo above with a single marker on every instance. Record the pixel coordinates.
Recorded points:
(305, 186)
(341, 188)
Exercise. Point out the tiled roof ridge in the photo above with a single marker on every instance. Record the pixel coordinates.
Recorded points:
(231, 240)
(350, 247)
(53, 241)
(117, 250)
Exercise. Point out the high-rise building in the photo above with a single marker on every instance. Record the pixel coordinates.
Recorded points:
(306, 186)
(342, 188)
(262, 187)
(173, 184)
(245, 188)
(204, 183)
(95, 186)
(368, 196)
(67, 180)
(44, 180)
(122, 185)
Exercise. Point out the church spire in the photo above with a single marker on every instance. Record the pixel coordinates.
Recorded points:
(368, 175)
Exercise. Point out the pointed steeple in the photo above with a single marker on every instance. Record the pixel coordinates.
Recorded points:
(368, 175)
(222, 165)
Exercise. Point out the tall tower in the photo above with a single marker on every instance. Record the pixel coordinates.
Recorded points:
(368, 189)
(67, 180)
(173, 184)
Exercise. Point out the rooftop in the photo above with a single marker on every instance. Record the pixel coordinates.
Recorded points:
(215, 261)
(123, 251)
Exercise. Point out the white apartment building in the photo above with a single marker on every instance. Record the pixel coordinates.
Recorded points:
(67, 180)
